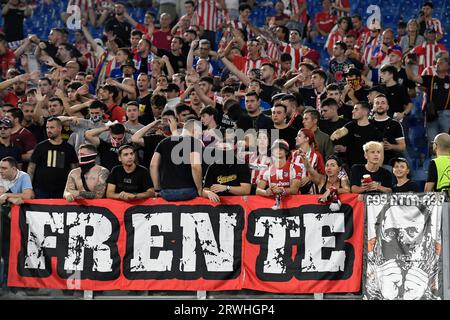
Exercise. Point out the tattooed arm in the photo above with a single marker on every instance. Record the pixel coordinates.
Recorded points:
(100, 187)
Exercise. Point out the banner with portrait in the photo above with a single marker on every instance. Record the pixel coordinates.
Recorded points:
(403, 246)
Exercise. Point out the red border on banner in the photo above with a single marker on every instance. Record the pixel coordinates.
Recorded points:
(118, 208)
(294, 285)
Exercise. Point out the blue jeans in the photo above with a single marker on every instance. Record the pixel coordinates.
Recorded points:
(180, 194)
(439, 125)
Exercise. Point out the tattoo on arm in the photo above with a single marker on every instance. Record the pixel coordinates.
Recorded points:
(100, 188)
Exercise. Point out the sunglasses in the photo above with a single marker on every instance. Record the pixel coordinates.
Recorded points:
(4, 128)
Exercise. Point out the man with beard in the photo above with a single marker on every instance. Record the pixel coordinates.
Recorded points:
(107, 149)
(175, 54)
(225, 176)
(20, 136)
(144, 99)
(55, 109)
(129, 181)
(118, 25)
(89, 180)
(50, 163)
(393, 136)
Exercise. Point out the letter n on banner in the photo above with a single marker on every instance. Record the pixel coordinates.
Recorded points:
(304, 247)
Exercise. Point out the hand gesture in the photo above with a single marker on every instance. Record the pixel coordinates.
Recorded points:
(59, 93)
(39, 96)
(83, 90)
(194, 44)
(416, 282)
(390, 276)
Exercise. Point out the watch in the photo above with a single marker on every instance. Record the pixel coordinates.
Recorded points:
(228, 188)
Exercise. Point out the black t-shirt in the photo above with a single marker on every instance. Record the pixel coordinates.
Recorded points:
(53, 164)
(402, 79)
(310, 97)
(108, 155)
(360, 95)
(36, 131)
(329, 127)
(345, 110)
(289, 134)
(297, 123)
(11, 151)
(338, 69)
(175, 169)
(227, 174)
(432, 174)
(441, 88)
(13, 24)
(150, 143)
(121, 29)
(134, 182)
(178, 62)
(357, 137)
(391, 130)
(262, 121)
(397, 97)
(409, 186)
(267, 92)
(383, 176)
(145, 109)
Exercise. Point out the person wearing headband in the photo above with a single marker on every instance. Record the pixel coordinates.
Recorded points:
(89, 180)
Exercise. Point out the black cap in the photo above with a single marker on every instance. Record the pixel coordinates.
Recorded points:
(128, 63)
(399, 159)
(278, 96)
(5, 122)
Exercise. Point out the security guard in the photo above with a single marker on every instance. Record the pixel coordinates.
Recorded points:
(439, 168)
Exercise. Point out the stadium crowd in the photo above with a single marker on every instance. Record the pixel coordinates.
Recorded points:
(100, 117)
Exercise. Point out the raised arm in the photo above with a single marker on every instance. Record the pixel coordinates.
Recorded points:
(138, 137)
(233, 69)
(190, 57)
(92, 135)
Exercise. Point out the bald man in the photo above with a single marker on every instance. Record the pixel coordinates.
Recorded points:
(439, 168)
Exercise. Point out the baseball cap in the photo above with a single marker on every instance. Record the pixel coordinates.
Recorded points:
(5, 122)
(395, 51)
(399, 159)
(280, 143)
(313, 55)
(128, 63)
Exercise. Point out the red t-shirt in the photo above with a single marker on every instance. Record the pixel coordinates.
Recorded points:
(326, 21)
(117, 113)
(162, 39)
(7, 61)
(24, 139)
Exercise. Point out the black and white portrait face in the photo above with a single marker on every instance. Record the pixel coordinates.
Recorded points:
(402, 232)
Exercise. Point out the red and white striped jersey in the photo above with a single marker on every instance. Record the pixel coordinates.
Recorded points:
(429, 71)
(296, 53)
(315, 160)
(207, 10)
(344, 4)
(295, 9)
(196, 20)
(333, 38)
(426, 54)
(258, 165)
(245, 64)
(436, 24)
(282, 177)
(239, 25)
(368, 46)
